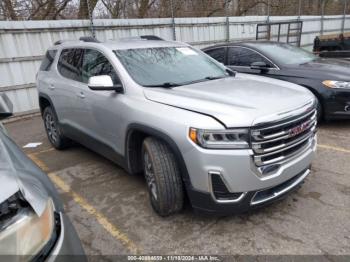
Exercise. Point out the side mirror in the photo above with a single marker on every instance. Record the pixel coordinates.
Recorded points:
(259, 66)
(6, 107)
(104, 83)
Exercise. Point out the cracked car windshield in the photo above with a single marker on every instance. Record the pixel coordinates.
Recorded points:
(169, 66)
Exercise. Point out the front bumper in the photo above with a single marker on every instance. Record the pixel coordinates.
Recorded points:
(205, 204)
(68, 246)
(240, 175)
(337, 106)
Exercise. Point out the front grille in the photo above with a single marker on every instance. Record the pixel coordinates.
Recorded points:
(278, 142)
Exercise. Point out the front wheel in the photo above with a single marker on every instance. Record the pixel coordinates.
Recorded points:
(163, 177)
(54, 134)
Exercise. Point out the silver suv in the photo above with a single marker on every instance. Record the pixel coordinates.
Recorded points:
(228, 142)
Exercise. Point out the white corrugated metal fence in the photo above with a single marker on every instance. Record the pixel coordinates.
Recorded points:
(23, 43)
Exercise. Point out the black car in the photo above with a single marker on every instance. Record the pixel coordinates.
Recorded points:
(328, 79)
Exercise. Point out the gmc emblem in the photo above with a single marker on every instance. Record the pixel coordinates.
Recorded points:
(298, 130)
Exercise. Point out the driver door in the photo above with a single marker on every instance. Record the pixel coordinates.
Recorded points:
(105, 107)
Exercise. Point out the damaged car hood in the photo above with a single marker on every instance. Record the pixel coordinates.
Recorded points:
(18, 173)
(235, 101)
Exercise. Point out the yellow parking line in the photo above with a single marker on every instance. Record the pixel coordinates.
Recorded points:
(39, 163)
(112, 229)
(339, 149)
(44, 151)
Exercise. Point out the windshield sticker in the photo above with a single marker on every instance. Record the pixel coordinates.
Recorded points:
(186, 51)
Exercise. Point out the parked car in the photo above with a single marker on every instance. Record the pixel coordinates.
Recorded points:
(328, 79)
(32, 221)
(184, 120)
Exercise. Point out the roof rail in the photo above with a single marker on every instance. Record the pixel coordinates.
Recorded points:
(89, 39)
(151, 37)
(58, 42)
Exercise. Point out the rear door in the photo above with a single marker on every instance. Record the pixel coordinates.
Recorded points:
(69, 90)
(219, 54)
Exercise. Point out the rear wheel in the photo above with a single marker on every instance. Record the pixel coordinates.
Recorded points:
(163, 177)
(54, 134)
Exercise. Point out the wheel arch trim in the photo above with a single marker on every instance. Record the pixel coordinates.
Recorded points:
(166, 138)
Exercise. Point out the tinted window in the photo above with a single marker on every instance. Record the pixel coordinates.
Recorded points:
(69, 63)
(175, 65)
(285, 53)
(48, 60)
(218, 54)
(238, 56)
(96, 64)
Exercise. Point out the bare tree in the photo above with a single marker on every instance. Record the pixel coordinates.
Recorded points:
(83, 8)
(72, 9)
(8, 9)
(115, 8)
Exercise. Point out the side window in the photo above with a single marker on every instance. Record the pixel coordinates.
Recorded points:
(96, 64)
(218, 54)
(238, 56)
(69, 63)
(48, 60)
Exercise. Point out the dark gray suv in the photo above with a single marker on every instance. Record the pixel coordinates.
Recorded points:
(32, 220)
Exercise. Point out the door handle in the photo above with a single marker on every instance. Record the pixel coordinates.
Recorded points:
(81, 95)
(51, 86)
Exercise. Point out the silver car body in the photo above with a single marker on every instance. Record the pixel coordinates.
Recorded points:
(242, 101)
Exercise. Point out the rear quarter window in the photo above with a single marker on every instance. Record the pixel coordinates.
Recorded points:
(48, 60)
(219, 54)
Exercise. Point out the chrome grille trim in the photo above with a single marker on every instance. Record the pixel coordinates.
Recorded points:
(283, 134)
(279, 142)
(313, 113)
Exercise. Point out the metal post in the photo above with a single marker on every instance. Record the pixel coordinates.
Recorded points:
(322, 14)
(227, 22)
(173, 19)
(268, 11)
(344, 16)
(299, 10)
(92, 28)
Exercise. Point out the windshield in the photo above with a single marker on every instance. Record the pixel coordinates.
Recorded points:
(286, 54)
(169, 66)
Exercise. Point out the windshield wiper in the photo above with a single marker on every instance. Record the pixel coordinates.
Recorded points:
(204, 79)
(214, 77)
(164, 85)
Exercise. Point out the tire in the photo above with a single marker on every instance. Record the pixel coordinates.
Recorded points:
(53, 132)
(163, 177)
(319, 111)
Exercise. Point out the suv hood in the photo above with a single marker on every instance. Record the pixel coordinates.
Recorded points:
(240, 101)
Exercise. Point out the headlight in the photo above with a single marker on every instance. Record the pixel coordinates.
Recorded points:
(336, 84)
(220, 139)
(22, 231)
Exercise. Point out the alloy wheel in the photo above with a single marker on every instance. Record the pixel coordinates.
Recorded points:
(149, 174)
(51, 127)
